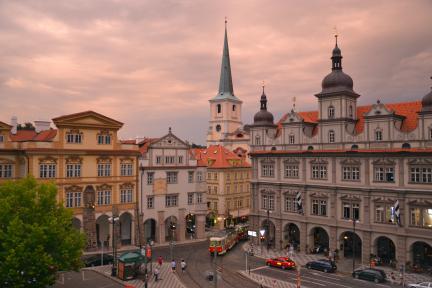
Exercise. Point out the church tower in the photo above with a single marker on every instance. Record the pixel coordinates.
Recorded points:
(225, 107)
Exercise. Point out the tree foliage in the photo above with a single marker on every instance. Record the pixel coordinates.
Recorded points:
(36, 235)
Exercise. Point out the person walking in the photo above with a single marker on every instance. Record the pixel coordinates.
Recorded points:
(173, 265)
(183, 265)
(160, 260)
(156, 274)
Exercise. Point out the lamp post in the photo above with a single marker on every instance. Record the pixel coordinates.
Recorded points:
(354, 242)
(113, 220)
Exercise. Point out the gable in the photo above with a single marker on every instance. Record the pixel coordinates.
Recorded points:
(4, 126)
(88, 119)
(170, 141)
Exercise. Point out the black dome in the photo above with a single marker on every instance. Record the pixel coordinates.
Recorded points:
(427, 102)
(337, 79)
(263, 117)
(336, 51)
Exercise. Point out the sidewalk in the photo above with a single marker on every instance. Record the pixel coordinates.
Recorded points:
(167, 279)
(344, 264)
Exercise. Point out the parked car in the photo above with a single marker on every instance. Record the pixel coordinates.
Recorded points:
(281, 262)
(323, 265)
(376, 275)
(95, 260)
(421, 285)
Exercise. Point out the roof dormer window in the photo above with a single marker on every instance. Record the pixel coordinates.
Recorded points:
(378, 135)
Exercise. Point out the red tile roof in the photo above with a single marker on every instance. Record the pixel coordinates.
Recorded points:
(31, 135)
(144, 145)
(128, 141)
(217, 156)
(407, 109)
(380, 151)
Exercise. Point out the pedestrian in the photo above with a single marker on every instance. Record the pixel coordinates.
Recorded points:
(160, 260)
(291, 251)
(183, 265)
(156, 274)
(173, 265)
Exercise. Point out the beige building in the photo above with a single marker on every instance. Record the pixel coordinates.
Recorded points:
(228, 186)
(363, 175)
(173, 190)
(95, 173)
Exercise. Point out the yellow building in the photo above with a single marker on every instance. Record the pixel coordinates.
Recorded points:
(228, 185)
(95, 172)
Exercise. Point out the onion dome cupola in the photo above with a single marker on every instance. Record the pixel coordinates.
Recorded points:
(337, 81)
(263, 117)
(427, 102)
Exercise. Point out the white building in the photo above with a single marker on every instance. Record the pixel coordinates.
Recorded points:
(173, 190)
(346, 162)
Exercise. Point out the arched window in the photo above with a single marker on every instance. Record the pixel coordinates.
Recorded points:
(378, 135)
(331, 136)
(219, 108)
(406, 146)
(350, 111)
(331, 112)
(257, 140)
(354, 147)
(291, 139)
(273, 148)
(218, 128)
(310, 148)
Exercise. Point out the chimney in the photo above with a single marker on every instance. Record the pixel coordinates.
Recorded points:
(42, 125)
(14, 123)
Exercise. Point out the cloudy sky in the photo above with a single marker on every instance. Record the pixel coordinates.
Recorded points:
(155, 64)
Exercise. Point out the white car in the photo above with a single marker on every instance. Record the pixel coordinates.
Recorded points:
(421, 285)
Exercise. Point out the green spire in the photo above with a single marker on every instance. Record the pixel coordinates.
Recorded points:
(226, 90)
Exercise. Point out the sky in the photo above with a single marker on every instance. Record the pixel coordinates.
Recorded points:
(155, 64)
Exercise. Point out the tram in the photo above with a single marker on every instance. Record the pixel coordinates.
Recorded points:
(225, 240)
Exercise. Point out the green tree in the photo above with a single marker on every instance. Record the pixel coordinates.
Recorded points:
(36, 235)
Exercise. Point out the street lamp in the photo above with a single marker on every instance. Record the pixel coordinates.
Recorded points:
(113, 220)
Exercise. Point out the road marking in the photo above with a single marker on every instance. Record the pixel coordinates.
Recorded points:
(258, 268)
(332, 283)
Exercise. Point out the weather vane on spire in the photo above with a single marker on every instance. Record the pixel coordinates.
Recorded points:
(335, 33)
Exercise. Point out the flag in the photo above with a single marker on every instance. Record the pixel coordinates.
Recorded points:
(397, 212)
(299, 204)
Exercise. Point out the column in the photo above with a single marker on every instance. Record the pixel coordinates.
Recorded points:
(181, 225)
(303, 238)
(200, 226)
(401, 250)
(366, 247)
(160, 235)
(333, 239)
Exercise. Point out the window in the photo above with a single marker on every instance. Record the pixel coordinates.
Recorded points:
(291, 139)
(378, 135)
(6, 170)
(180, 159)
(331, 136)
(215, 190)
(103, 138)
(190, 198)
(350, 111)
(104, 169)
(228, 189)
(290, 204)
(190, 176)
(219, 108)
(319, 171)
(233, 108)
(1, 138)
(150, 178)
(150, 202)
(126, 169)
(104, 197)
(421, 174)
(384, 174)
(169, 159)
(171, 177)
(257, 140)
(199, 198)
(73, 199)
(421, 217)
(218, 128)
(291, 171)
(351, 210)
(158, 159)
(331, 112)
(384, 213)
(47, 170)
(126, 195)
(267, 170)
(199, 176)
(319, 207)
(215, 175)
(74, 136)
(351, 173)
(267, 201)
(73, 170)
(171, 200)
